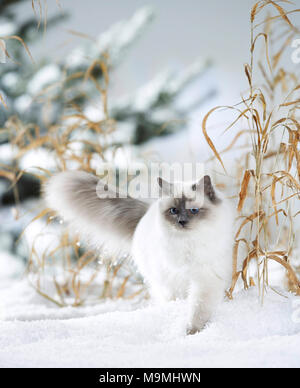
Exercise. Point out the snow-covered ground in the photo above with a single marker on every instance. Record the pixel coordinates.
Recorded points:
(35, 333)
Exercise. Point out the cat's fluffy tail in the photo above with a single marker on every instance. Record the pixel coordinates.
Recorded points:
(104, 222)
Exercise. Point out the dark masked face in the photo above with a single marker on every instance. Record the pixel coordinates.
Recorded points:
(185, 212)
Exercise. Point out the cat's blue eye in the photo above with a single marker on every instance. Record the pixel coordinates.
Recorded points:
(194, 210)
(173, 210)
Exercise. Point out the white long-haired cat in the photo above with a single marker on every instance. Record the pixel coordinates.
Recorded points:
(181, 243)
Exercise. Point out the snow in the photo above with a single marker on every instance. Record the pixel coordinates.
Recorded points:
(46, 76)
(22, 103)
(121, 35)
(10, 80)
(7, 28)
(115, 41)
(7, 153)
(34, 332)
(166, 83)
(11, 267)
(38, 158)
(118, 333)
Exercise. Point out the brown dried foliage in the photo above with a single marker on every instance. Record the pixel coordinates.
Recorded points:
(271, 186)
(268, 177)
(62, 142)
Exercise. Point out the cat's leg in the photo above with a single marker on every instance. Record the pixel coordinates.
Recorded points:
(203, 301)
(160, 293)
(163, 286)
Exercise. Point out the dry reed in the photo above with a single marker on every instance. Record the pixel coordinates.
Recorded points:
(268, 180)
(268, 176)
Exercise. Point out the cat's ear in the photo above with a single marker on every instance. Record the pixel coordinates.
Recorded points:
(205, 185)
(166, 187)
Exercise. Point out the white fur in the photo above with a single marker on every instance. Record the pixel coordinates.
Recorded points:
(194, 264)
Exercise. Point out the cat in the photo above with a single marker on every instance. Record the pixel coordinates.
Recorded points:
(181, 243)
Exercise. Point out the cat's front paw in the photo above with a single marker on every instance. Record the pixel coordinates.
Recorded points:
(191, 330)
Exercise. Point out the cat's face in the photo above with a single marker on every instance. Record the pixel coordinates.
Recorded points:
(185, 206)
